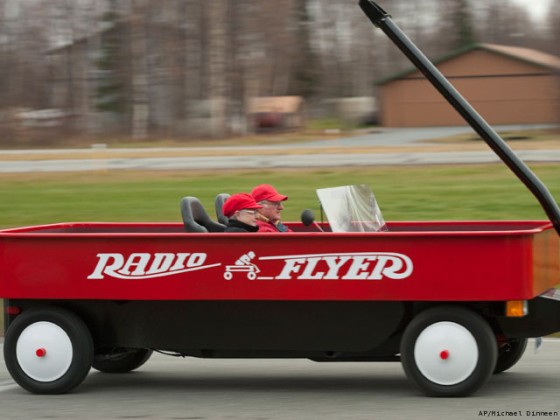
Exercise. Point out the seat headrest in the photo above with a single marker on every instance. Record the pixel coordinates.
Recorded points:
(195, 218)
(219, 204)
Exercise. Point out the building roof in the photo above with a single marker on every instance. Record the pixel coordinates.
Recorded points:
(526, 55)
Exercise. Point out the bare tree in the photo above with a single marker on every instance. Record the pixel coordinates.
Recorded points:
(505, 22)
(216, 14)
(139, 72)
(553, 30)
(170, 66)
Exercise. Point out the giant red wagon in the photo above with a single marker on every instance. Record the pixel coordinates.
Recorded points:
(453, 301)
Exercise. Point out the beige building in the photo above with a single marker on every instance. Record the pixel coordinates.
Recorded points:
(506, 85)
(277, 112)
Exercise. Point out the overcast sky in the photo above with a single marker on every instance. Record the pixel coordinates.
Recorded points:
(538, 7)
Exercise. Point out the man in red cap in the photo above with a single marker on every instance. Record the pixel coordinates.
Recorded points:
(241, 209)
(270, 213)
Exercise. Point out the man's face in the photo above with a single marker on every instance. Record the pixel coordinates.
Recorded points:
(247, 216)
(272, 210)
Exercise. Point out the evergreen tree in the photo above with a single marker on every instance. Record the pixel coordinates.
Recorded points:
(463, 28)
(306, 75)
(110, 89)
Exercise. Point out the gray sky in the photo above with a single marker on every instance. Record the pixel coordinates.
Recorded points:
(538, 7)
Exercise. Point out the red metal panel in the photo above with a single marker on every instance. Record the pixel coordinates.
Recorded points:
(434, 261)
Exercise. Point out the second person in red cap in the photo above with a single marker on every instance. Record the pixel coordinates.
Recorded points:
(270, 213)
(241, 209)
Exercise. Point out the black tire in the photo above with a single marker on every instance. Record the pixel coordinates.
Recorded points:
(509, 353)
(120, 360)
(448, 351)
(48, 350)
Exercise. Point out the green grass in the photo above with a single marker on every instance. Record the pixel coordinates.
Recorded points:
(469, 192)
(404, 193)
(332, 123)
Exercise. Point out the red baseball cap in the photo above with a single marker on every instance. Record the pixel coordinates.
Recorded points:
(238, 202)
(267, 192)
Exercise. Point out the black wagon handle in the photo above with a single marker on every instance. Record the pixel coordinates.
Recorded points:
(383, 20)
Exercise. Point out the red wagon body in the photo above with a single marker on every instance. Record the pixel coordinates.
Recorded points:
(413, 261)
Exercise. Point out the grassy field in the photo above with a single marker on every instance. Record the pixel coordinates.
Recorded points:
(404, 193)
(472, 192)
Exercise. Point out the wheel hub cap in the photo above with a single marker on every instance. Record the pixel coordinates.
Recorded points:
(446, 353)
(44, 351)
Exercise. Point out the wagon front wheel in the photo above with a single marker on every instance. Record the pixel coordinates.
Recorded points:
(48, 350)
(448, 351)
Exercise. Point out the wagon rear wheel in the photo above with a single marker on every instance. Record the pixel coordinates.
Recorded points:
(509, 353)
(120, 360)
(48, 350)
(448, 351)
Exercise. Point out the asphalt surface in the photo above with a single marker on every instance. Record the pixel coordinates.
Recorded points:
(174, 388)
(225, 158)
(269, 161)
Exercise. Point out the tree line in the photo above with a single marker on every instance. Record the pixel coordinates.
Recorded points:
(145, 68)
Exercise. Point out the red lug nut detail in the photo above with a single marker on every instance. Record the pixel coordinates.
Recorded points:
(40, 352)
(444, 354)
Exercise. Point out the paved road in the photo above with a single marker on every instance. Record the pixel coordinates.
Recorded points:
(269, 161)
(170, 388)
(224, 158)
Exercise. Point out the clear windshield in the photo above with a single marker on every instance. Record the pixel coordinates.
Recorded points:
(351, 208)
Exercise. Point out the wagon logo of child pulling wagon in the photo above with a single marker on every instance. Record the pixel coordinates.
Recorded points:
(243, 265)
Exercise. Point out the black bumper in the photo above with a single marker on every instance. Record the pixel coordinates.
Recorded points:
(543, 317)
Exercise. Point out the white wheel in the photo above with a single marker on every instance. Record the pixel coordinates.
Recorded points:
(446, 353)
(44, 351)
(48, 350)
